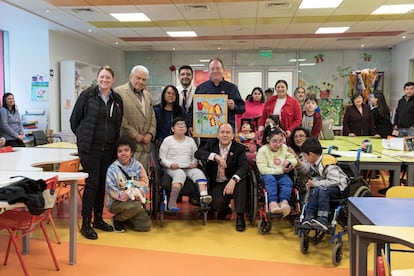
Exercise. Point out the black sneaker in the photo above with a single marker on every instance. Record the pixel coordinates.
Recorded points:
(320, 223)
(118, 226)
(206, 199)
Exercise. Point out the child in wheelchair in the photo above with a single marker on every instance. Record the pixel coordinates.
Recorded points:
(328, 182)
(274, 162)
(177, 157)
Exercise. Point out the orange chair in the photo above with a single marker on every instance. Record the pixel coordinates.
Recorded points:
(21, 223)
(63, 190)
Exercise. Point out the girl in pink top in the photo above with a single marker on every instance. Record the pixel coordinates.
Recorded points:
(253, 106)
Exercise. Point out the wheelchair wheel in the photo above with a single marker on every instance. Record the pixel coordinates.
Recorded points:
(317, 237)
(155, 197)
(264, 226)
(252, 198)
(363, 191)
(337, 254)
(304, 244)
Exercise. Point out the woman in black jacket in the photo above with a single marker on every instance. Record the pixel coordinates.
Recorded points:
(96, 121)
(381, 114)
(358, 119)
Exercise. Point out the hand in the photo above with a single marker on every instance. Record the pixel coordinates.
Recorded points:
(193, 165)
(190, 131)
(147, 139)
(174, 166)
(220, 161)
(21, 137)
(231, 104)
(139, 138)
(229, 188)
(288, 133)
(287, 167)
(309, 184)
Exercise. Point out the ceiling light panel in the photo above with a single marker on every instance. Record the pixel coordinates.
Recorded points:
(320, 4)
(394, 9)
(130, 17)
(331, 30)
(182, 34)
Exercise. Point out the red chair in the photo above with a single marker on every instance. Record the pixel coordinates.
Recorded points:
(20, 223)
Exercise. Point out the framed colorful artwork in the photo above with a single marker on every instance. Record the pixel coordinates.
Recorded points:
(209, 112)
(332, 109)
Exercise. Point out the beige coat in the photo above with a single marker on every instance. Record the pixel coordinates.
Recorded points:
(134, 121)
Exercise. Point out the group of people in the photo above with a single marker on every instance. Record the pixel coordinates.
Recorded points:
(121, 123)
(116, 129)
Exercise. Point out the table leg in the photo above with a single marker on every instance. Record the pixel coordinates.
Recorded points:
(352, 242)
(410, 174)
(26, 245)
(361, 256)
(73, 221)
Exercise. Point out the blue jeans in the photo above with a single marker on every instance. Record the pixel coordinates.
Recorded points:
(318, 201)
(278, 187)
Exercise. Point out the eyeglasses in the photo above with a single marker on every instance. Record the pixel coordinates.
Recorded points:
(276, 141)
(299, 136)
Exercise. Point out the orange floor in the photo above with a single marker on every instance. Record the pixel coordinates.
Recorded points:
(185, 247)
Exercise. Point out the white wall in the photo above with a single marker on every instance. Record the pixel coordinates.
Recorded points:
(69, 46)
(401, 55)
(28, 53)
(34, 51)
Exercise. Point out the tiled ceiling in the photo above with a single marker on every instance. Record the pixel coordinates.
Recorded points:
(227, 24)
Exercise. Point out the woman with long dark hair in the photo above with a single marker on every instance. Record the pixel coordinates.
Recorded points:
(11, 127)
(166, 112)
(381, 114)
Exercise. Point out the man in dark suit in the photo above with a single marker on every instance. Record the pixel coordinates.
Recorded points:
(226, 167)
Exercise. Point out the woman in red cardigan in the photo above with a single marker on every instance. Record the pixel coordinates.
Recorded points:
(287, 107)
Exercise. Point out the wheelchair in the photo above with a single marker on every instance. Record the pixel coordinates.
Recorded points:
(258, 204)
(161, 187)
(338, 216)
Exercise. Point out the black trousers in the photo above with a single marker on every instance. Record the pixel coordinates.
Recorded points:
(95, 163)
(220, 202)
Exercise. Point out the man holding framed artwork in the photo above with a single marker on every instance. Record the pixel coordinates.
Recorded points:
(217, 85)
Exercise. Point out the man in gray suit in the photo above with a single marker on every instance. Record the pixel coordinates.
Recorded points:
(138, 121)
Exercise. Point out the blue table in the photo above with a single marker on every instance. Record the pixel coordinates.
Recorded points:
(375, 211)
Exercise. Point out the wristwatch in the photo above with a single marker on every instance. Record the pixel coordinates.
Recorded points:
(235, 179)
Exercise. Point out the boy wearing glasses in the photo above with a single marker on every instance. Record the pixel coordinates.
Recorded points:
(274, 162)
(177, 156)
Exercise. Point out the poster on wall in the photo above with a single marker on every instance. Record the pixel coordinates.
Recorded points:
(209, 112)
(40, 89)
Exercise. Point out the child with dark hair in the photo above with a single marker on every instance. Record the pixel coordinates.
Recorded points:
(126, 187)
(328, 182)
(274, 162)
(312, 120)
(177, 156)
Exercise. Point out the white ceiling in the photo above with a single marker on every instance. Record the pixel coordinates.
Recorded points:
(226, 24)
